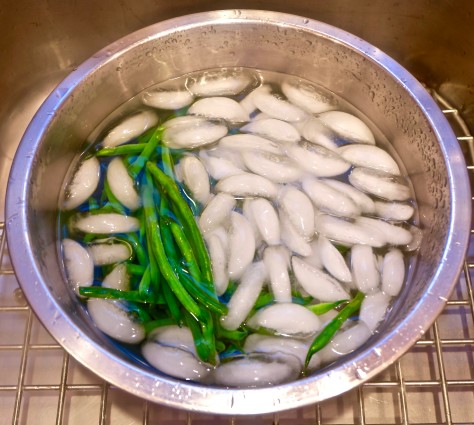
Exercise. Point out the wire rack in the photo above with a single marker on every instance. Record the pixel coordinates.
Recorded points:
(433, 383)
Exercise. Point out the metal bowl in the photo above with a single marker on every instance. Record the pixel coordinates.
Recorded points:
(375, 84)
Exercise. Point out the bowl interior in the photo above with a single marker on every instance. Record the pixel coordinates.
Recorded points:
(389, 97)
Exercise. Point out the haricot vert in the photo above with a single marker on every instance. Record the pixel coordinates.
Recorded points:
(171, 262)
(235, 235)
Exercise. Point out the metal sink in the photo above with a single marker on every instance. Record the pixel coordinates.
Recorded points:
(42, 41)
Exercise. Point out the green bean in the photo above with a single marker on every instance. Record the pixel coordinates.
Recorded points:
(89, 237)
(184, 213)
(342, 249)
(167, 159)
(142, 230)
(129, 149)
(220, 346)
(203, 348)
(231, 288)
(137, 165)
(263, 299)
(113, 202)
(154, 324)
(153, 229)
(322, 308)
(152, 260)
(168, 240)
(167, 236)
(298, 298)
(238, 336)
(186, 250)
(201, 295)
(135, 269)
(134, 241)
(140, 310)
(199, 292)
(92, 204)
(111, 293)
(325, 336)
(168, 169)
(172, 303)
(207, 327)
(230, 352)
(153, 265)
(145, 137)
(145, 283)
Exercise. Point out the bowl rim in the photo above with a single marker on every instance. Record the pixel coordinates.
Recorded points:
(355, 369)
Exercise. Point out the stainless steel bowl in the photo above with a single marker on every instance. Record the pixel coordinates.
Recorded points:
(375, 84)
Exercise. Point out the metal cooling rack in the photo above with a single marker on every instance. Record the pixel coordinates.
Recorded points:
(431, 384)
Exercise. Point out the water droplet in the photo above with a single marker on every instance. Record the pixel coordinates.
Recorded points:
(377, 351)
(18, 294)
(61, 92)
(360, 374)
(56, 317)
(305, 21)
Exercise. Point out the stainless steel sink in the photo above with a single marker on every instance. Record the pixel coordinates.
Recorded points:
(42, 41)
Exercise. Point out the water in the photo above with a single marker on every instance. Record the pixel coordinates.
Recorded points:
(101, 200)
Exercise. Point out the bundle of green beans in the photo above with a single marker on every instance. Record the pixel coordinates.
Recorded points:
(170, 269)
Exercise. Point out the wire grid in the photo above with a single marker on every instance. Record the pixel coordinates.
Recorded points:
(433, 383)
